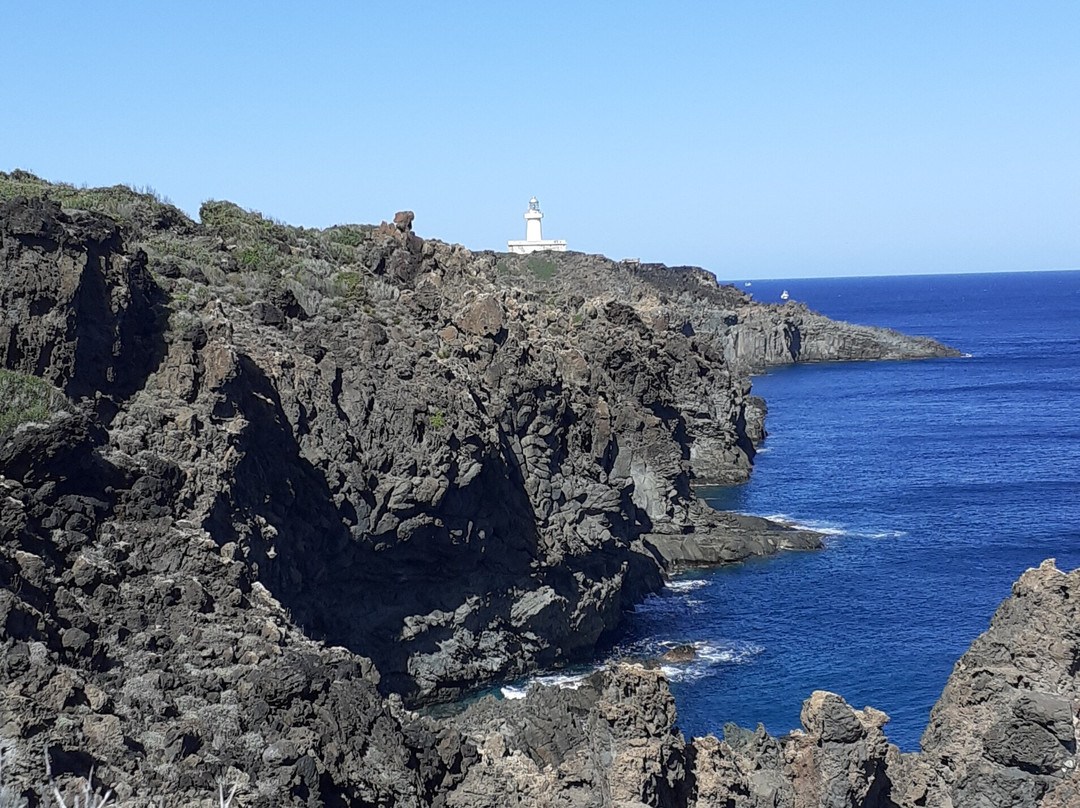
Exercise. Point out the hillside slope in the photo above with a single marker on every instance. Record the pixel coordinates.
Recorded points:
(289, 472)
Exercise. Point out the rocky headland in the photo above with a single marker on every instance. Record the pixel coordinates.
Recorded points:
(1003, 734)
(268, 489)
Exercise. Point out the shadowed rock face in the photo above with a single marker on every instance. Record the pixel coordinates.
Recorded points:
(479, 485)
(78, 310)
(255, 518)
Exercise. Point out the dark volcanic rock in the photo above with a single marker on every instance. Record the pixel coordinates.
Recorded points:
(77, 310)
(839, 760)
(679, 654)
(610, 741)
(760, 335)
(479, 485)
(726, 538)
(297, 471)
(1003, 732)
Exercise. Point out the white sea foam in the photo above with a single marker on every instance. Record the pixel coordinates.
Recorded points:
(687, 584)
(570, 680)
(831, 529)
(824, 529)
(885, 534)
(787, 520)
(708, 656)
(782, 518)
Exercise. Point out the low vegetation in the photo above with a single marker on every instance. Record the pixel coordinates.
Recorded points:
(542, 268)
(25, 399)
(137, 209)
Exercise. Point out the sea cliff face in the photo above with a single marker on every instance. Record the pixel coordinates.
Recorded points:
(288, 473)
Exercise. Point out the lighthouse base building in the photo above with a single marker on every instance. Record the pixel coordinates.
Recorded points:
(534, 240)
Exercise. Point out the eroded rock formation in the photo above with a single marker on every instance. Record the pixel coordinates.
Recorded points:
(465, 484)
(1003, 734)
(298, 472)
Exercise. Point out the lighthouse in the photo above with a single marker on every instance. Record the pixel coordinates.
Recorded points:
(532, 221)
(534, 239)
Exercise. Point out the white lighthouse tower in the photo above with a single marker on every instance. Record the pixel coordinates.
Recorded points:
(534, 239)
(532, 221)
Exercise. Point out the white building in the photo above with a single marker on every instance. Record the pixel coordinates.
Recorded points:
(534, 240)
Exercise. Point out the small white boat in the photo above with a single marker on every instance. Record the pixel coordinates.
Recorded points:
(784, 295)
(747, 283)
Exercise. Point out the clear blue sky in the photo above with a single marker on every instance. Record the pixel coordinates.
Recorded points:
(757, 139)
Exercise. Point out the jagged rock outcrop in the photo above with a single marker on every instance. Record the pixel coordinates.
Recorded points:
(297, 471)
(611, 740)
(1004, 732)
(839, 760)
(761, 335)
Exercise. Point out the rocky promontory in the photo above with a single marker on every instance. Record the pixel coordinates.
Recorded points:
(1003, 734)
(266, 488)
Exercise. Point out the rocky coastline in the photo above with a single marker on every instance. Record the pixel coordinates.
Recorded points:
(280, 487)
(1002, 734)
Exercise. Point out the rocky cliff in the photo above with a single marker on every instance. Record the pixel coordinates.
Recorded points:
(766, 335)
(288, 473)
(1003, 734)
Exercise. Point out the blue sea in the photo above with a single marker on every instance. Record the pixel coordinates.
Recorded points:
(937, 483)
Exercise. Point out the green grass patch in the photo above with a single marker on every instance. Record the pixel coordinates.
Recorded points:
(25, 399)
(543, 269)
(258, 257)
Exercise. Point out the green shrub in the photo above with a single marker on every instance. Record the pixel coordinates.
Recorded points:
(543, 268)
(438, 420)
(342, 253)
(25, 399)
(259, 257)
(233, 223)
(349, 284)
(348, 235)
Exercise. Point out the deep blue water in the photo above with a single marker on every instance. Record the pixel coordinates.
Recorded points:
(940, 482)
